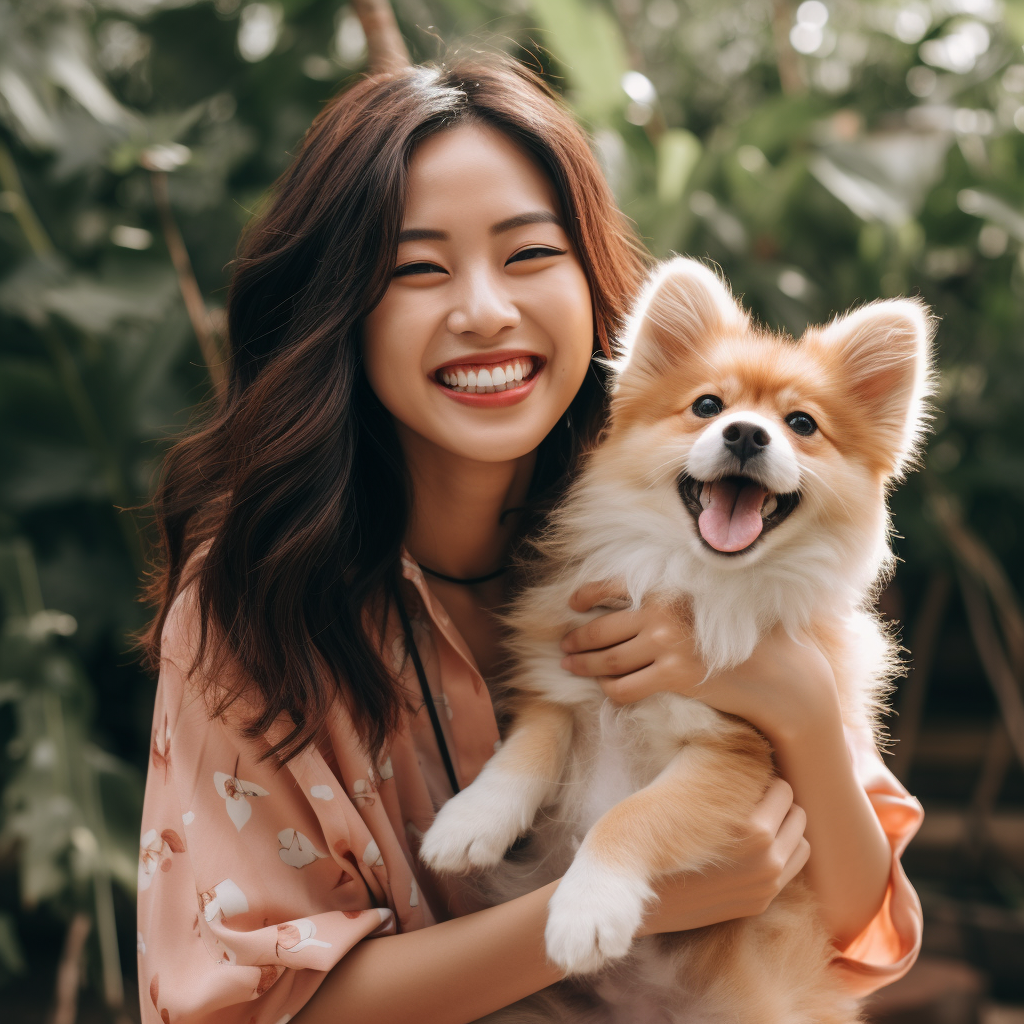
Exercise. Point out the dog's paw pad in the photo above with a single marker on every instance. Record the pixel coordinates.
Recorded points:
(593, 916)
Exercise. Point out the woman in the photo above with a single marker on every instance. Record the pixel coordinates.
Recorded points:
(412, 323)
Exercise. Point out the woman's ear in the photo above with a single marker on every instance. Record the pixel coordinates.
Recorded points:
(880, 356)
(684, 306)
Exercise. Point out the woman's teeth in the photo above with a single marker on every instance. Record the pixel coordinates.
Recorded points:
(487, 380)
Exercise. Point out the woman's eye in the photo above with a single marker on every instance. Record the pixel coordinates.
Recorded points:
(707, 406)
(801, 423)
(533, 253)
(417, 268)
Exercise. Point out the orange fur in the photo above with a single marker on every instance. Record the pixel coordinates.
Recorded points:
(538, 740)
(691, 811)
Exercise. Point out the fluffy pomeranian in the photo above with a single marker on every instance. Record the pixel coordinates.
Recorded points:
(743, 477)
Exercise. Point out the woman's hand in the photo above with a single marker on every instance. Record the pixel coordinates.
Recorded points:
(785, 687)
(766, 858)
(787, 690)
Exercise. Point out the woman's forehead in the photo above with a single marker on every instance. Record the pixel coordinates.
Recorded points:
(473, 171)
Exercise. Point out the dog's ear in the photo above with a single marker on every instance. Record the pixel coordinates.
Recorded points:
(684, 306)
(881, 356)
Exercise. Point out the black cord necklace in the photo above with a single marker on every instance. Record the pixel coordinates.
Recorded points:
(428, 698)
(470, 580)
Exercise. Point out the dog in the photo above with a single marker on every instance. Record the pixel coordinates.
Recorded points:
(743, 477)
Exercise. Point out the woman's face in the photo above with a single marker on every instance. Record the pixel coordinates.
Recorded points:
(485, 333)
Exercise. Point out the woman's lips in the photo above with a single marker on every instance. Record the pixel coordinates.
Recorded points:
(504, 379)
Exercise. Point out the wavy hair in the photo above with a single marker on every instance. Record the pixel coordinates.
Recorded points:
(286, 508)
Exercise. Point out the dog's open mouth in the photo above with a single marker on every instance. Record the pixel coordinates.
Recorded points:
(733, 512)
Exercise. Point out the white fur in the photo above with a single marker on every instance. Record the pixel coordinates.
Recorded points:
(777, 468)
(544, 670)
(609, 779)
(645, 537)
(593, 915)
(717, 309)
(477, 826)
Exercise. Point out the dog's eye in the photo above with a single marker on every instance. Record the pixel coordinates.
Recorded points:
(707, 406)
(801, 423)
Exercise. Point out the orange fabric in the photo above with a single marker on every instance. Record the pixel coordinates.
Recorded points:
(254, 882)
(888, 947)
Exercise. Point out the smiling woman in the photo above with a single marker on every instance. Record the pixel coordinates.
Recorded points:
(298, 485)
(412, 324)
(487, 285)
(436, 222)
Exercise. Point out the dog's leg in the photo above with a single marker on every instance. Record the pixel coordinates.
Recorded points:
(476, 827)
(682, 821)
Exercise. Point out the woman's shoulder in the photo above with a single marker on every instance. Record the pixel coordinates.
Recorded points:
(199, 675)
(182, 631)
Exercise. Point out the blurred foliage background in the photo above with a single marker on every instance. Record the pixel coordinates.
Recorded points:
(823, 153)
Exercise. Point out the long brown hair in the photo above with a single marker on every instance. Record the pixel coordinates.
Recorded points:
(295, 484)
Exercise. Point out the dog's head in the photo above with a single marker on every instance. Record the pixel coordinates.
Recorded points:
(759, 437)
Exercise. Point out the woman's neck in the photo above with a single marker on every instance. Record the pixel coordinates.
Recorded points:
(455, 525)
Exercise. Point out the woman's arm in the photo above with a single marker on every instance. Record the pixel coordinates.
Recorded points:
(850, 866)
(787, 690)
(460, 970)
(450, 973)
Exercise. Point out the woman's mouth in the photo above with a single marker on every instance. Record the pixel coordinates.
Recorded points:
(489, 378)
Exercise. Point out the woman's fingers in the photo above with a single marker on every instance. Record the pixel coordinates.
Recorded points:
(618, 659)
(795, 864)
(591, 594)
(791, 831)
(634, 686)
(792, 845)
(604, 631)
(771, 811)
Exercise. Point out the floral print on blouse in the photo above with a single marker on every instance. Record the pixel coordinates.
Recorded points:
(254, 881)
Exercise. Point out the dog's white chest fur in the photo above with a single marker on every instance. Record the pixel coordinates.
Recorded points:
(629, 747)
(612, 776)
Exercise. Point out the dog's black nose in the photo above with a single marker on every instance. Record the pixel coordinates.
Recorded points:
(745, 440)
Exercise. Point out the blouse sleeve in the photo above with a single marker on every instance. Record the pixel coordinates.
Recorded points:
(253, 881)
(888, 946)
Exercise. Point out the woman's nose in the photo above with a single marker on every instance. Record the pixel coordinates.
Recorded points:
(483, 307)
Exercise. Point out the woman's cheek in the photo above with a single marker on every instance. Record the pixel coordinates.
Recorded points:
(393, 349)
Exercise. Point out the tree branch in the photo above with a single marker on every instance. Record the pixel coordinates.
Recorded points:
(983, 580)
(993, 659)
(69, 971)
(982, 563)
(187, 284)
(385, 46)
(785, 56)
(922, 652)
(21, 209)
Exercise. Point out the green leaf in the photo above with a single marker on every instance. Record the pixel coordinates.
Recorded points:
(12, 959)
(1013, 12)
(585, 38)
(679, 151)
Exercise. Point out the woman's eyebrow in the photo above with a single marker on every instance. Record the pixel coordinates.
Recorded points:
(521, 219)
(518, 221)
(422, 234)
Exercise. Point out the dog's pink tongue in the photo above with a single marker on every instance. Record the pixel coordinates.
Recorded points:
(732, 521)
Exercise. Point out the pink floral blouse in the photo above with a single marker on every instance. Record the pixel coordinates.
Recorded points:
(255, 881)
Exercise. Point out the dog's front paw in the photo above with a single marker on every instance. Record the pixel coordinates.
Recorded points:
(472, 830)
(593, 915)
